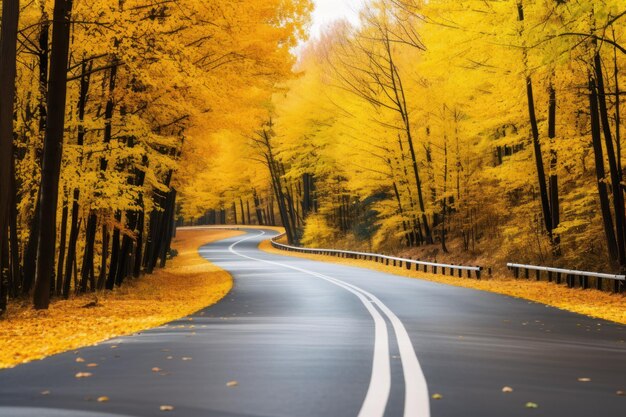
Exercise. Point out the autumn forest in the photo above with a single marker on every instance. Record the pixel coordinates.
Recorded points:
(477, 132)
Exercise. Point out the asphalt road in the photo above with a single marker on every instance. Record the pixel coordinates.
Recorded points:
(304, 338)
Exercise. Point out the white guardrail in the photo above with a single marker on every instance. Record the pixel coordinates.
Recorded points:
(569, 274)
(444, 269)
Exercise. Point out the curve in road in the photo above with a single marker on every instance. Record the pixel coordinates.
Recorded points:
(303, 338)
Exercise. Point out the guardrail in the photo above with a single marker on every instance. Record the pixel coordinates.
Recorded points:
(443, 269)
(557, 274)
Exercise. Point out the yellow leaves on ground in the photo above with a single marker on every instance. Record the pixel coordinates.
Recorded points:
(166, 408)
(232, 384)
(187, 285)
(589, 302)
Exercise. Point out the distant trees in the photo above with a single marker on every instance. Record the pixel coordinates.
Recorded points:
(470, 124)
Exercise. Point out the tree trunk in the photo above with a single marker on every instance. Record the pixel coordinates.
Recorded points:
(53, 151)
(139, 243)
(30, 254)
(554, 180)
(8, 36)
(103, 260)
(444, 198)
(88, 254)
(4, 269)
(618, 196)
(541, 175)
(60, 262)
(167, 227)
(115, 252)
(16, 281)
(257, 208)
(600, 173)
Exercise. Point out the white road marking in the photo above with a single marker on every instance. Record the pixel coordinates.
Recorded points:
(417, 402)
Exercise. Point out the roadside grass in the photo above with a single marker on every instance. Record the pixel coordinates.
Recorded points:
(188, 284)
(590, 302)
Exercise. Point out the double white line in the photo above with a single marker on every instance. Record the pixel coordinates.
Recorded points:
(416, 400)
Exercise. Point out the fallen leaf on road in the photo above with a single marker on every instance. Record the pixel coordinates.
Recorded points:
(47, 392)
(103, 399)
(92, 365)
(166, 408)
(620, 393)
(156, 369)
(169, 357)
(80, 360)
(584, 379)
(531, 405)
(114, 347)
(507, 389)
(83, 375)
(232, 383)
(186, 358)
(437, 396)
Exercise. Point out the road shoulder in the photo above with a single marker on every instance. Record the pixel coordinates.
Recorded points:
(590, 302)
(186, 285)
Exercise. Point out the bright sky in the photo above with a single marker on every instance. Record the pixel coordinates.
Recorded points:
(326, 11)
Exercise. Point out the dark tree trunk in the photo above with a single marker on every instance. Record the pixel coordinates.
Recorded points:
(541, 175)
(115, 252)
(257, 208)
(88, 254)
(618, 196)
(139, 244)
(8, 45)
(4, 269)
(167, 228)
(60, 262)
(71, 249)
(408, 237)
(554, 180)
(400, 100)
(53, 151)
(444, 199)
(30, 254)
(600, 173)
(103, 260)
(16, 281)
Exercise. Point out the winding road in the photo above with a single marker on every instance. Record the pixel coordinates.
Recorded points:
(301, 338)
